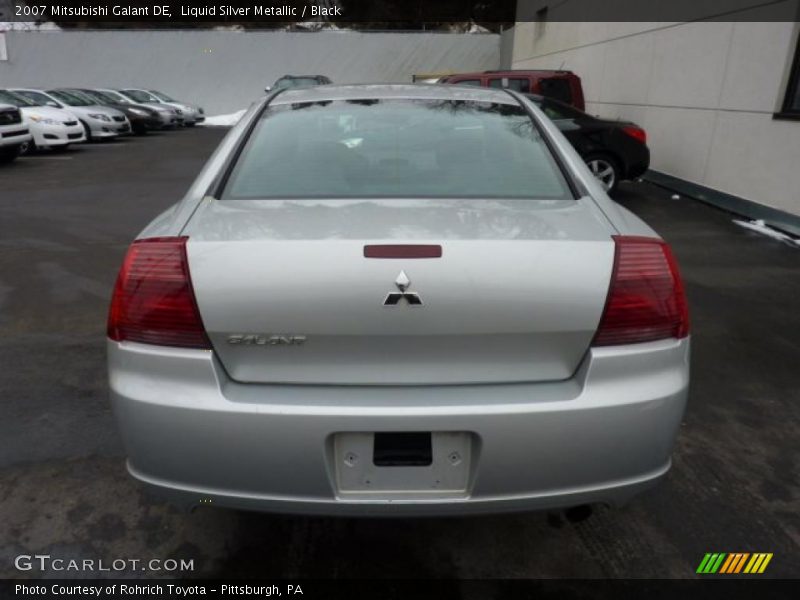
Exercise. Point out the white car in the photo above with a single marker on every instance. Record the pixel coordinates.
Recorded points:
(99, 122)
(13, 133)
(50, 127)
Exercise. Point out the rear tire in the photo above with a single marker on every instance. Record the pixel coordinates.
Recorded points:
(28, 147)
(606, 169)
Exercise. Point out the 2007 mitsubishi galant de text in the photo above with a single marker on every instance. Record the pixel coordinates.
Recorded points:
(396, 300)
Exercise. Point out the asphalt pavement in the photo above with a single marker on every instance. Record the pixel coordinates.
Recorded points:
(65, 221)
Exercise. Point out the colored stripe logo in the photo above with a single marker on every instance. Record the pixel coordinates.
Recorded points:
(734, 562)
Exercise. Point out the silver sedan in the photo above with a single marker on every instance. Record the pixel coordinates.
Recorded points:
(398, 300)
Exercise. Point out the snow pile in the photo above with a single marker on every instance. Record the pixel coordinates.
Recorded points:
(28, 26)
(760, 227)
(223, 120)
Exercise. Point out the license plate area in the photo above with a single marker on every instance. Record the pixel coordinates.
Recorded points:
(402, 465)
(402, 449)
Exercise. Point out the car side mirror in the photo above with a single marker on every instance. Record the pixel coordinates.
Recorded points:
(267, 89)
(52, 103)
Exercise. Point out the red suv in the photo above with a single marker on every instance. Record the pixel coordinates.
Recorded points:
(564, 86)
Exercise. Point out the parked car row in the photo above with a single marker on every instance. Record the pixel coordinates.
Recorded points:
(32, 119)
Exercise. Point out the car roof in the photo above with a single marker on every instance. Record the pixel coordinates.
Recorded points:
(287, 76)
(422, 91)
(511, 72)
(37, 90)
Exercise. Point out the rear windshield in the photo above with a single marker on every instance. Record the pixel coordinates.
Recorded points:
(139, 96)
(82, 96)
(69, 99)
(396, 149)
(162, 96)
(557, 88)
(38, 97)
(7, 97)
(116, 96)
(102, 97)
(289, 82)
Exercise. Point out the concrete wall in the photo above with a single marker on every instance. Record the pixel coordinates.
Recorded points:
(225, 71)
(506, 48)
(704, 91)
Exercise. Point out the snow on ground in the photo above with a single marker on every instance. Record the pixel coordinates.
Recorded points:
(764, 229)
(228, 120)
(28, 26)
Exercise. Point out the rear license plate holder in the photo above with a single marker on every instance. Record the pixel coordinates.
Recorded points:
(402, 449)
(402, 465)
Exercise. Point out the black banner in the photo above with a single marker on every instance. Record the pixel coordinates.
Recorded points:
(390, 14)
(731, 588)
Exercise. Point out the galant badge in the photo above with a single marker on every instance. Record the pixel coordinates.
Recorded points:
(402, 282)
(267, 340)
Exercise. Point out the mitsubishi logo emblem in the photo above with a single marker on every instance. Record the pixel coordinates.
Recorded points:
(402, 282)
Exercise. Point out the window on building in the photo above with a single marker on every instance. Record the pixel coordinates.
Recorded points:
(791, 102)
(541, 22)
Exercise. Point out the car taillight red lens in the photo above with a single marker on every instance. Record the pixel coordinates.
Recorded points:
(153, 301)
(646, 301)
(636, 133)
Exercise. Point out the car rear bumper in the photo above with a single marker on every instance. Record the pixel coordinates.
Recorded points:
(198, 437)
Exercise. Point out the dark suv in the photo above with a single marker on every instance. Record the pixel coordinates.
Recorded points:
(290, 81)
(564, 86)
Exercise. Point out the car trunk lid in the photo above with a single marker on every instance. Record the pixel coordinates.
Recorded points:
(287, 294)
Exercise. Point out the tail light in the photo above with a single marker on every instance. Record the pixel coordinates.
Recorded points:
(646, 301)
(636, 133)
(153, 301)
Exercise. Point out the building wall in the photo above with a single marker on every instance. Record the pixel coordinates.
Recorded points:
(704, 91)
(506, 48)
(223, 70)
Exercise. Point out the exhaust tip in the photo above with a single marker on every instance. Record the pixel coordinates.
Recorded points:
(579, 513)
